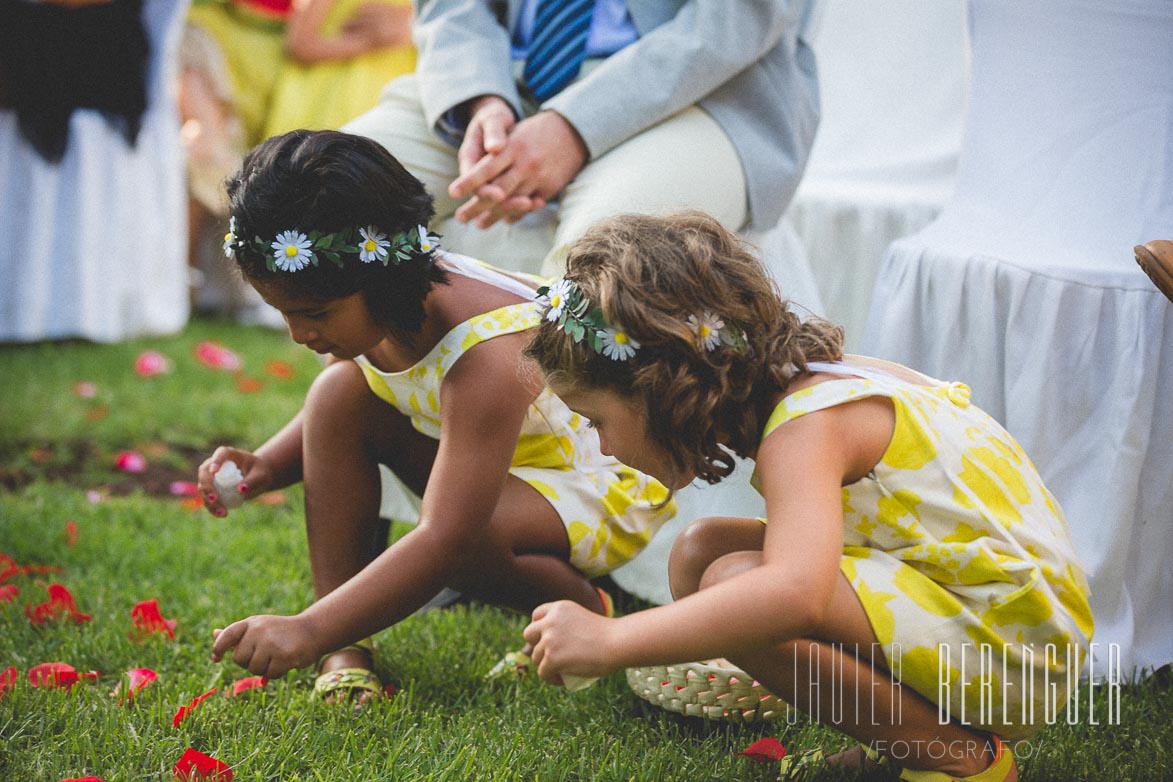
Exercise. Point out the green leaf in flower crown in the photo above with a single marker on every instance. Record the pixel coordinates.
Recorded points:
(575, 330)
(543, 291)
(595, 341)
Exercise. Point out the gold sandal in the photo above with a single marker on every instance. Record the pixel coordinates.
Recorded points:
(349, 679)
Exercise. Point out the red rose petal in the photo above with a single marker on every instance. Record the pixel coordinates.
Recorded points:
(71, 532)
(8, 679)
(59, 605)
(151, 362)
(148, 620)
(8, 593)
(196, 765)
(246, 684)
(60, 675)
(130, 461)
(185, 711)
(216, 356)
(765, 750)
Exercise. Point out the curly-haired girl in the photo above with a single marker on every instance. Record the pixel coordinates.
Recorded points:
(906, 531)
(426, 376)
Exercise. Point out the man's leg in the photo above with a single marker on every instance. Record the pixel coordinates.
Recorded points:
(684, 162)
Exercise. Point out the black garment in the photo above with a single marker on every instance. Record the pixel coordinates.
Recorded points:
(55, 59)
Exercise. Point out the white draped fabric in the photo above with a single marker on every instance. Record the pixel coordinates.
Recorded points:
(96, 246)
(892, 86)
(1025, 287)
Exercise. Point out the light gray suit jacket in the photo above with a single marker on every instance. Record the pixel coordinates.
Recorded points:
(744, 62)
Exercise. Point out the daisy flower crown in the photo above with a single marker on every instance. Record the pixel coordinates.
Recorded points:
(292, 251)
(566, 305)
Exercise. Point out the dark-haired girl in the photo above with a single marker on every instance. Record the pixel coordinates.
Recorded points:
(425, 376)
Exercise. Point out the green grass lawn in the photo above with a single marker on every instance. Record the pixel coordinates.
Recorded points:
(135, 541)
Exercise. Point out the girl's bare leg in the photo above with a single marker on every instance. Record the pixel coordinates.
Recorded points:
(347, 431)
(522, 560)
(867, 703)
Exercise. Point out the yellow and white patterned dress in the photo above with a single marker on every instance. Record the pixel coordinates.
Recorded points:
(610, 511)
(953, 541)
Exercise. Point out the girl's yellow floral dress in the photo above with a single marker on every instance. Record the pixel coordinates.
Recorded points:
(610, 510)
(959, 555)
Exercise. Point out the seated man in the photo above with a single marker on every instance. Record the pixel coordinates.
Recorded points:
(604, 106)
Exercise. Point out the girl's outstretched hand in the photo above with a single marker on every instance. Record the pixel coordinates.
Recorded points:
(570, 639)
(266, 645)
(258, 477)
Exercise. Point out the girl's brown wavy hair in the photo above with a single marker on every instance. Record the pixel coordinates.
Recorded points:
(648, 275)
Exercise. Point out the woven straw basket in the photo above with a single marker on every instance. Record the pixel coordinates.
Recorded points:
(713, 690)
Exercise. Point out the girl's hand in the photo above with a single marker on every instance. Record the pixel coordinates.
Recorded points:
(258, 477)
(267, 645)
(569, 639)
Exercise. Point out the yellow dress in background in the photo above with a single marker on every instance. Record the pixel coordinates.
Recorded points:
(242, 43)
(327, 95)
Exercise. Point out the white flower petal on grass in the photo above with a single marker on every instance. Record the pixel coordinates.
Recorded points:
(374, 245)
(556, 298)
(707, 329)
(617, 345)
(291, 251)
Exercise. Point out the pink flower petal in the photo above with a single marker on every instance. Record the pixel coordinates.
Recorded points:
(130, 461)
(8, 679)
(765, 750)
(136, 680)
(94, 497)
(85, 389)
(246, 684)
(151, 362)
(185, 711)
(184, 489)
(196, 765)
(215, 356)
(147, 620)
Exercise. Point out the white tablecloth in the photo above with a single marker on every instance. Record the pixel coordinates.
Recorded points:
(96, 246)
(1026, 288)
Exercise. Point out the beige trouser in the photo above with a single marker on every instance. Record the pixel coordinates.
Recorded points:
(685, 161)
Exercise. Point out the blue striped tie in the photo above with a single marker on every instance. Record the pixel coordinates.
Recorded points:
(558, 45)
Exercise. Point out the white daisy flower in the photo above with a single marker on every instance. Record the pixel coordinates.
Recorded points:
(374, 245)
(556, 299)
(291, 251)
(230, 238)
(707, 329)
(617, 345)
(427, 242)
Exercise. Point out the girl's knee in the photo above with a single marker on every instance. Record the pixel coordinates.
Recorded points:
(710, 550)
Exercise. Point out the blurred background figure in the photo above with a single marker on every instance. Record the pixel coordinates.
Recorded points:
(91, 170)
(257, 68)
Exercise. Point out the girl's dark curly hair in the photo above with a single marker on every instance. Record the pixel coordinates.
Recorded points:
(648, 275)
(328, 181)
